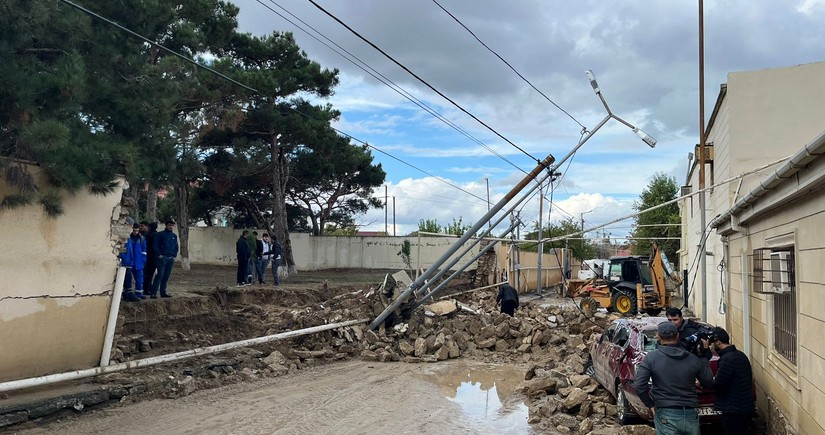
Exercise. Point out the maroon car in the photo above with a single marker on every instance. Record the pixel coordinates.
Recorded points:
(616, 353)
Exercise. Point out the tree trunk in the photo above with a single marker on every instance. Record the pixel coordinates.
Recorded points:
(152, 204)
(280, 173)
(182, 198)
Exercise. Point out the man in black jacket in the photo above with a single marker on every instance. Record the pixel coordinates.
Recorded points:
(672, 399)
(508, 297)
(243, 252)
(688, 330)
(733, 384)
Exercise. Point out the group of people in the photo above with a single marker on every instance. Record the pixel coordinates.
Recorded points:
(266, 250)
(149, 258)
(674, 369)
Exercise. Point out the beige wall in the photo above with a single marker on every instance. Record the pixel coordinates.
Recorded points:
(57, 279)
(765, 115)
(798, 390)
(216, 245)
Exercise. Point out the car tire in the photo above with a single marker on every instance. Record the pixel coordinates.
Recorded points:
(589, 369)
(624, 303)
(624, 413)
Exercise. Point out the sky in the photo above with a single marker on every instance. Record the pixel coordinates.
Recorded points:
(644, 54)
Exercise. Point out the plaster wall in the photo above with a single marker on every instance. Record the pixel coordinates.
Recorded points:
(56, 281)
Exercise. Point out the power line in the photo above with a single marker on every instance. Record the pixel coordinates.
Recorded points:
(213, 71)
(402, 66)
(508, 64)
(381, 78)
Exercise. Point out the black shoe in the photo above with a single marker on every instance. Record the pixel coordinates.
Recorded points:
(166, 296)
(153, 296)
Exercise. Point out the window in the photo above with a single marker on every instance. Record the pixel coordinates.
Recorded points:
(621, 336)
(774, 273)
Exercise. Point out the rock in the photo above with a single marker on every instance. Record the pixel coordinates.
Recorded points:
(442, 353)
(275, 357)
(530, 373)
(565, 420)
(502, 330)
(560, 377)
(487, 332)
(574, 340)
(591, 388)
(371, 337)
(502, 345)
(574, 399)
(580, 381)
(540, 387)
(144, 346)
(586, 425)
(443, 308)
(585, 408)
(453, 349)
(486, 343)
(537, 337)
(187, 385)
(638, 429)
(406, 348)
(307, 354)
(440, 340)
(385, 356)
(368, 355)
(420, 347)
(524, 348)
(13, 418)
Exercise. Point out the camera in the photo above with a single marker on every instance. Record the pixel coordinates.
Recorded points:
(697, 337)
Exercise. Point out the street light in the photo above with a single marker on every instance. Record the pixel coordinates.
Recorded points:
(648, 139)
(581, 215)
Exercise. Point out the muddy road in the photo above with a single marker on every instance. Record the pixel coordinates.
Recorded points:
(352, 397)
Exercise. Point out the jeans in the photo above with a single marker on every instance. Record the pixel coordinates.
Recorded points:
(676, 421)
(243, 269)
(138, 274)
(260, 269)
(275, 264)
(164, 272)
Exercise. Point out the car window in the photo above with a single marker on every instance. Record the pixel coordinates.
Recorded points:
(608, 335)
(622, 334)
(649, 341)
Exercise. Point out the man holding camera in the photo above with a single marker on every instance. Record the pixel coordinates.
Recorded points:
(690, 333)
(733, 384)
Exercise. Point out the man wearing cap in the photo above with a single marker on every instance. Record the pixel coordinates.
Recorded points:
(733, 384)
(166, 247)
(134, 259)
(672, 397)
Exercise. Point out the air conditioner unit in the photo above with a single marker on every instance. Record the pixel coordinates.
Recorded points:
(686, 190)
(780, 278)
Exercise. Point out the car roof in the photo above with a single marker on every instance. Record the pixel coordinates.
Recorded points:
(641, 323)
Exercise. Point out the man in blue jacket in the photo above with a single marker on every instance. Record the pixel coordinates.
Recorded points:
(134, 260)
(166, 247)
(674, 371)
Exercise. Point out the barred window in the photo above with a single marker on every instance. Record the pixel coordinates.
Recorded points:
(774, 273)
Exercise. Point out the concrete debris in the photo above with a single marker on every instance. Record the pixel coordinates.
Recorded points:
(443, 308)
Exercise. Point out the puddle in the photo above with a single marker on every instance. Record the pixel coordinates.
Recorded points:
(485, 394)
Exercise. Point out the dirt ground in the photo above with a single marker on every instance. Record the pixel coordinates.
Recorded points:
(352, 397)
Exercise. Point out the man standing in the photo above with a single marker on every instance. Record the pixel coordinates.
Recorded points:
(262, 255)
(134, 259)
(151, 255)
(733, 384)
(243, 252)
(672, 398)
(166, 247)
(508, 297)
(687, 328)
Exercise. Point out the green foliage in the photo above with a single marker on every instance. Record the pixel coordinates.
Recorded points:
(456, 228)
(660, 189)
(429, 226)
(406, 253)
(582, 249)
(333, 230)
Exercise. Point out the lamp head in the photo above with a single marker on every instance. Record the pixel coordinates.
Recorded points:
(593, 81)
(645, 137)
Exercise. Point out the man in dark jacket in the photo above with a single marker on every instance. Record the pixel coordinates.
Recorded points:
(688, 330)
(276, 258)
(674, 372)
(151, 255)
(244, 253)
(733, 384)
(166, 247)
(508, 297)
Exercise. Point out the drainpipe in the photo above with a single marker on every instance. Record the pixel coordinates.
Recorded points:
(114, 308)
(87, 373)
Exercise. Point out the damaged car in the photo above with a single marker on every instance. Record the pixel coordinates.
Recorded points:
(616, 353)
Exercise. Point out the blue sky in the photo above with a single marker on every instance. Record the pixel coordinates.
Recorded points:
(644, 54)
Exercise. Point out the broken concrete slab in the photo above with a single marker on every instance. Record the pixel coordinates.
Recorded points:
(443, 308)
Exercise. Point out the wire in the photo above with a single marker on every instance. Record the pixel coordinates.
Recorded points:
(402, 66)
(382, 78)
(211, 70)
(508, 64)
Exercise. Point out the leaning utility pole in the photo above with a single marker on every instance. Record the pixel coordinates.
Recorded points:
(701, 160)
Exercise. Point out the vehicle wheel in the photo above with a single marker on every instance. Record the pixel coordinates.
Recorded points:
(624, 414)
(624, 303)
(589, 370)
(588, 306)
(653, 312)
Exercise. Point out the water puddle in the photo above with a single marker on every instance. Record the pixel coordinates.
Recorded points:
(485, 394)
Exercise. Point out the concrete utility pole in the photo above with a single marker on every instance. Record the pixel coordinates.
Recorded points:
(541, 244)
(701, 160)
(386, 211)
(393, 215)
(487, 180)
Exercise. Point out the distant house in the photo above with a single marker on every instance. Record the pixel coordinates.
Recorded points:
(764, 224)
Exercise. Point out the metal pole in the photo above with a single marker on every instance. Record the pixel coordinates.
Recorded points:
(487, 180)
(87, 373)
(541, 244)
(418, 256)
(402, 298)
(701, 159)
(393, 215)
(113, 310)
(386, 211)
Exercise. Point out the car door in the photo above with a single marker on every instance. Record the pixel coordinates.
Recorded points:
(599, 354)
(615, 355)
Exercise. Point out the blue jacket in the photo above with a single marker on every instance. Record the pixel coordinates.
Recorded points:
(135, 255)
(166, 244)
